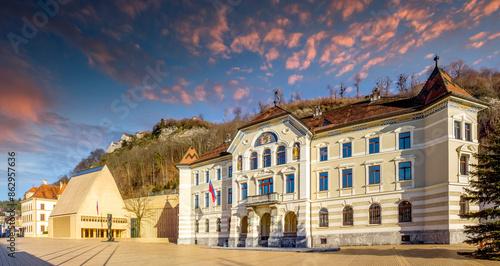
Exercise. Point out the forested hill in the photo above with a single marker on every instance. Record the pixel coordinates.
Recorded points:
(147, 164)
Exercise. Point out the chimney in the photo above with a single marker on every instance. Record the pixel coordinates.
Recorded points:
(44, 182)
(60, 185)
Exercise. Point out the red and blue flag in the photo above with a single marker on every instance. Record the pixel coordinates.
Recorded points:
(212, 191)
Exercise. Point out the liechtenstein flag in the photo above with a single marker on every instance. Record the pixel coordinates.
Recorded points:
(212, 191)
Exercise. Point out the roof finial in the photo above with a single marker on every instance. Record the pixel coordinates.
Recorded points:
(436, 59)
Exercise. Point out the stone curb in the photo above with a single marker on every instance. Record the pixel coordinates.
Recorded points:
(304, 250)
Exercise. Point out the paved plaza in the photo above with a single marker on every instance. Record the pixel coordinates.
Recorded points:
(130, 252)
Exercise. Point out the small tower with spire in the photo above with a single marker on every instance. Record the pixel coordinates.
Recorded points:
(436, 59)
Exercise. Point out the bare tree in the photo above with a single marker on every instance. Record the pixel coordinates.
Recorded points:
(298, 96)
(292, 96)
(402, 86)
(458, 68)
(387, 85)
(414, 80)
(342, 89)
(140, 209)
(333, 92)
(357, 80)
(262, 106)
(278, 92)
(237, 113)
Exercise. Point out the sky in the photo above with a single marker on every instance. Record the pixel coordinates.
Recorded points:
(75, 75)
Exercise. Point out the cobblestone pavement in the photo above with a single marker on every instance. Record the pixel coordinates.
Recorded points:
(128, 252)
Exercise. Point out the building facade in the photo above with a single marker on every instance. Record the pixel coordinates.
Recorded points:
(36, 208)
(388, 170)
(82, 210)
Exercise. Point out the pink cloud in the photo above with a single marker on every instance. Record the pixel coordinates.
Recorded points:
(294, 78)
(276, 36)
(346, 7)
(343, 40)
(200, 93)
(240, 94)
(478, 36)
(249, 42)
(218, 90)
(303, 59)
(494, 36)
(405, 48)
(345, 69)
(429, 56)
(272, 54)
(294, 39)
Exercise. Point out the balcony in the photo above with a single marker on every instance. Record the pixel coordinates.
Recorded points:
(262, 199)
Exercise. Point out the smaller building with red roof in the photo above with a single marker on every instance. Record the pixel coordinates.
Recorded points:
(36, 208)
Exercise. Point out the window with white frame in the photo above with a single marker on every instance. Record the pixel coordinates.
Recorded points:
(464, 164)
(323, 181)
(404, 171)
(374, 174)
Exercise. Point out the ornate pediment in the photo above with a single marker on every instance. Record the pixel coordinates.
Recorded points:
(264, 172)
(466, 148)
(242, 178)
(288, 169)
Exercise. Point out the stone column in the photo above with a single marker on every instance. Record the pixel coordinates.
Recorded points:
(276, 231)
(253, 230)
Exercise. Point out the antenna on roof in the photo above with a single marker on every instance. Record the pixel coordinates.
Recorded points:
(436, 59)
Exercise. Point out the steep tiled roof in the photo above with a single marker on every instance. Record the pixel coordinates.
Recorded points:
(359, 112)
(439, 84)
(214, 153)
(191, 156)
(48, 192)
(33, 189)
(274, 112)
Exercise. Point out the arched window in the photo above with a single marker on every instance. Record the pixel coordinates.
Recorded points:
(196, 226)
(218, 224)
(375, 214)
(244, 226)
(281, 155)
(266, 159)
(207, 225)
(347, 216)
(323, 218)
(253, 161)
(464, 206)
(404, 210)
(290, 224)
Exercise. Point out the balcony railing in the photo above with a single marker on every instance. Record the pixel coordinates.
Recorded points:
(262, 199)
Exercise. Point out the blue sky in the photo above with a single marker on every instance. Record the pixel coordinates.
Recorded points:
(76, 75)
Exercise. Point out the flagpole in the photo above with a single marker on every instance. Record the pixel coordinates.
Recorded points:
(209, 224)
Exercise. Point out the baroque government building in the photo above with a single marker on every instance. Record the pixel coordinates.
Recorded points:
(387, 170)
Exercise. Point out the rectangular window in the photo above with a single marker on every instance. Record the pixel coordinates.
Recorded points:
(464, 165)
(218, 174)
(207, 200)
(196, 202)
(218, 198)
(323, 181)
(323, 154)
(42, 217)
(405, 171)
(230, 196)
(404, 140)
(42, 228)
(347, 178)
(197, 179)
(456, 130)
(244, 191)
(468, 136)
(42, 206)
(290, 183)
(346, 150)
(207, 177)
(373, 145)
(230, 171)
(266, 186)
(374, 174)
